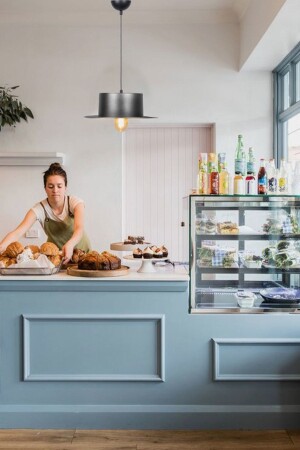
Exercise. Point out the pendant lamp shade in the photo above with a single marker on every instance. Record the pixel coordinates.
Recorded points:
(121, 105)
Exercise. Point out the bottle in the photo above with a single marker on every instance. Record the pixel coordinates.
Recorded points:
(202, 174)
(239, 156)
(214, 180)
(272, 177)
(238, 184)
(244, 163)
(262, 178)
(223, 175)
(283, 178)
(251, 161)
(212, 162)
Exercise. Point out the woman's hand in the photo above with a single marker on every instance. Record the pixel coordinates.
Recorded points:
(67, 251)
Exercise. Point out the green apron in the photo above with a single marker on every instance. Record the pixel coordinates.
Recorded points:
(60, 232)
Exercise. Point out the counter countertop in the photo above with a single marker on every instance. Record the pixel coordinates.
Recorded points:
(180, 273)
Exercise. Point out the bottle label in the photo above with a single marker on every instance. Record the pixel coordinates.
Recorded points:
(250, 167)
(202, 183)
(239, 166)
(282, 185)
(262, 185)
(272, 185)
(239, 186)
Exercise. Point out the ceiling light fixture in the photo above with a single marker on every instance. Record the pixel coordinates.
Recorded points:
(121, 106)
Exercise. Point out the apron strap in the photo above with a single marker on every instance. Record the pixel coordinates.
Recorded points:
(69, 211)
(46, 215)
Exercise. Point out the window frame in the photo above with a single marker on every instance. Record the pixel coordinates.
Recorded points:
(281, 115)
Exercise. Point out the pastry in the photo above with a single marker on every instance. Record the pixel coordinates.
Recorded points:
(133, 240)
(14, 249)
(114, 261)
(56, 260)
(104, 263)
(77, 255)
(49, 249)
(137, 253)
(5, 261)
(90, 261)
(148, 253)
(227, 228)
(158, 253)
(210, 226)
(33, 248)
(154, 248)
(165, 251)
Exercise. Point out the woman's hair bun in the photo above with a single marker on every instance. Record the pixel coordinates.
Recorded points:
(55, 169)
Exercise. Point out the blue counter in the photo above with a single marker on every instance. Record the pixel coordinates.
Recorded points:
(127, 354)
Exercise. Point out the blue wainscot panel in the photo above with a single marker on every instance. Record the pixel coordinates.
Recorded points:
(105, 347)
(256, 359)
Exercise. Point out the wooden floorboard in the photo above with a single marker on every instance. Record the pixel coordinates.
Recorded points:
(149, 440)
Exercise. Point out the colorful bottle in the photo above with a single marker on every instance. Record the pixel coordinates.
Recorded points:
(239, 156)
(283, 178)
(214, 180)
(212, 162)
(223, 175)
(238, 184)
(272, 177)
(202, 174)
(262, 178)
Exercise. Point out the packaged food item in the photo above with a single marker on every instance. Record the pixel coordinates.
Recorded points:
(227, 227)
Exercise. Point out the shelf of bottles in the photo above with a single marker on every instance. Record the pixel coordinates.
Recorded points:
(215, 179)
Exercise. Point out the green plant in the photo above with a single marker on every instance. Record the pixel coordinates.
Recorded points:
(11, 109)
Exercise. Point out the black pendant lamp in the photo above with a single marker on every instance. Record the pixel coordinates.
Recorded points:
(121, 106)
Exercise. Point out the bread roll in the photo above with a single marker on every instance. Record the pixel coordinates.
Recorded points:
(56, 260)
(14, 249)
(49, 249)
(33, 248)
(77, 255)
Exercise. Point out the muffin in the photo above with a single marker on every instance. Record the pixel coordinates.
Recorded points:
(14, 249)
(165, 251)
(49, 249)
(148, 253)
(158, 253)
(137, 253)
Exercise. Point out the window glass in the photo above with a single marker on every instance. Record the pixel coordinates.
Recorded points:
(297, 81)
(286, 91)
(294, 138)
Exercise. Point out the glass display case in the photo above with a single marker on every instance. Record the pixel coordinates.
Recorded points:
(244, 253)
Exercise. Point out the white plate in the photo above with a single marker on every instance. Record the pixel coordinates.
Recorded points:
(121, 247)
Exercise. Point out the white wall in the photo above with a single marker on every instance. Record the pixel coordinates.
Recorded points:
(188, 73)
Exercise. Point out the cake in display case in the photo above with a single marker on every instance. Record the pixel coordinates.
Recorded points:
(244, 253)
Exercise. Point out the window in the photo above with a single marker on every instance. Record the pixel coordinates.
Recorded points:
(287, 107)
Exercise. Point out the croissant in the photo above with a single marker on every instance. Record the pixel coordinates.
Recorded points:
(33, 248)
(55, 260)
(14, 249)
(49, 249)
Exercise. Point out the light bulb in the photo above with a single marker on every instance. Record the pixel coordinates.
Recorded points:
(121, 124)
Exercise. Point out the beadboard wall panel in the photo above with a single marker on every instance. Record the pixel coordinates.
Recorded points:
(159, 169)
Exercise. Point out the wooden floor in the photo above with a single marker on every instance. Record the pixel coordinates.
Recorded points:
(148, 440)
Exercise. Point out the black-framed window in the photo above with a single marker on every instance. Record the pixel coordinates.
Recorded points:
(287, 107)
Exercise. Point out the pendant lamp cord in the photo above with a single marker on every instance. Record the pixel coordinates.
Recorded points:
(121, 52)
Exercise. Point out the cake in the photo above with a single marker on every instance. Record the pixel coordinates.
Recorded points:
(90, 261)
(165, 251)
(148, 253)
(99, 261)
(77, 255)
(133, 240)
(137, 253)
(158, 253)
(114, 261)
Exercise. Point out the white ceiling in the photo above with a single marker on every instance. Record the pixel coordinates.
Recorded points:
(236, 7)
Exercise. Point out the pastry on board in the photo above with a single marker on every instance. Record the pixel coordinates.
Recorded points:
(99, 261)
(114, 261)
(33, 248)
(14, 249)
(77, 255)
(227, 228)
(49, 249)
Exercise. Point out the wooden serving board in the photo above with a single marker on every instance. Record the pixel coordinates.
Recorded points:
(75, 272)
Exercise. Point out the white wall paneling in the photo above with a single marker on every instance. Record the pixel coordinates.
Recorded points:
(160, 168)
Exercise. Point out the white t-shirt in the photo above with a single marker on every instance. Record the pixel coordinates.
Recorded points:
(40, 213)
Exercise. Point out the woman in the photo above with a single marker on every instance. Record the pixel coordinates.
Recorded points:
(61, 216)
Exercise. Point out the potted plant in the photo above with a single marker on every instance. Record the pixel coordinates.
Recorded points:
(11, 109)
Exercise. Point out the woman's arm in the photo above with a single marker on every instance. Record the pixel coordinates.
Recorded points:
(21, 229)
(77, 233)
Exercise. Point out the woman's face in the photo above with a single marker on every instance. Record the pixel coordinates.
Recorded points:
(55, 188)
